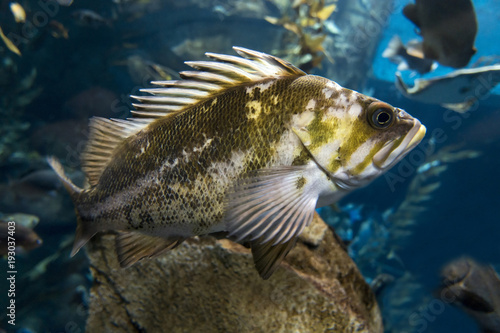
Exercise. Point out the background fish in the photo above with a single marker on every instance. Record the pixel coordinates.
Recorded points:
(448, 27)
(475, 288)
(247, 145)
(58, 30)
(457, 91)
(18, 12)
(89, 18)
(406, 56)
(26, 220)
(25, 238)
(10, 45)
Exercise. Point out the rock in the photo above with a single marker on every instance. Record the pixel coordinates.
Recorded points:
(210, 285)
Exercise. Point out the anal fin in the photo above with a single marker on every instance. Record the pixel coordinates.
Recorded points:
(133, 246)
(85, 230)
(267, 257)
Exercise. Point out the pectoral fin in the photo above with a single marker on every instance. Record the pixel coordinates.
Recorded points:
(274, 205)
(133, 246)
(271, 208)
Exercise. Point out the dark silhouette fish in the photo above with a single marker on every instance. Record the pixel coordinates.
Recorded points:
(475, 288)
(448, 27)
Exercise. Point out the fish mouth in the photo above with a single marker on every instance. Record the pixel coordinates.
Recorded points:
(388, 156)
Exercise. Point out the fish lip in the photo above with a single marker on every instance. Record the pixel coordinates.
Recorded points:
(381, 156)
(387, 157)
(416, 138)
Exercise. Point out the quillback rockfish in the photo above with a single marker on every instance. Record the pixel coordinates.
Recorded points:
(248, 145)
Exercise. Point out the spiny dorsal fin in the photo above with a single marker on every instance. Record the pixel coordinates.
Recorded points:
(209, 78)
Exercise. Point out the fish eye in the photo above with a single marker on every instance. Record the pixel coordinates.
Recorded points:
(380, 115)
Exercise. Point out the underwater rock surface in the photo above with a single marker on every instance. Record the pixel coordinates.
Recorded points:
(212, 285)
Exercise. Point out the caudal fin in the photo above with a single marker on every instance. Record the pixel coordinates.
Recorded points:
(84, 230)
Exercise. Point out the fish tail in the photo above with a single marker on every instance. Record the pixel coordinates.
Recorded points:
(84, 229)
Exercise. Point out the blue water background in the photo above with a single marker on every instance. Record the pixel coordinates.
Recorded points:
(462, 218)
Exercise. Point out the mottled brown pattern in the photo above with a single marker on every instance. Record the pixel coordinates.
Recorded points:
(188, 193)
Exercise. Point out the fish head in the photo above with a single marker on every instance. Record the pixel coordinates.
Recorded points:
(355, 138)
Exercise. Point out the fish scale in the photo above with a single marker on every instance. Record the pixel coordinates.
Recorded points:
(169, 139)
(252, 156)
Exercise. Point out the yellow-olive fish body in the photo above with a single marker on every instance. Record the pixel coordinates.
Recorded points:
(248, 145)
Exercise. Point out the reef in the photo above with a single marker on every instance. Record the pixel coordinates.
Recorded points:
(212, 283)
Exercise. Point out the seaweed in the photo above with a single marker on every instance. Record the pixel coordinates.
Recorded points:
(17, 92)
(307, 23)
